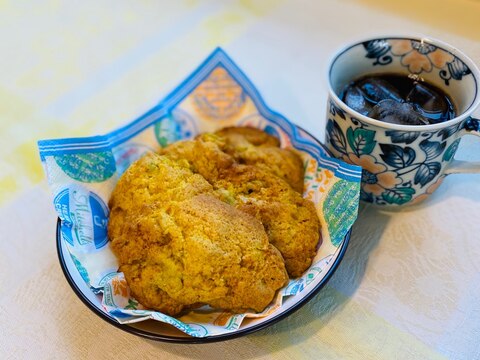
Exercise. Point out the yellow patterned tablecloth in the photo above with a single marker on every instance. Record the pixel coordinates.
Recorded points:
(409, 284)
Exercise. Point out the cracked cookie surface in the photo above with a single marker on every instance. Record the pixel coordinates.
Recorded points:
(181, 247)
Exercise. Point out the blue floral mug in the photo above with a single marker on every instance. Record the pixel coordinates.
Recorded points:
(402, 164)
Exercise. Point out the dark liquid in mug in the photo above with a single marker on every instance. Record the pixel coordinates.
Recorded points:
(398, 99)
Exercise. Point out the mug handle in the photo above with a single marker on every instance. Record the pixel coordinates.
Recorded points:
(470, 127)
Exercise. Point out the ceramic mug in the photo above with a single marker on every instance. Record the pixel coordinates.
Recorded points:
(402, 164)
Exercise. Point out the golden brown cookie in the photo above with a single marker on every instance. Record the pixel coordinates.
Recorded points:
(180, 247)
(291, 222)
(255, 147)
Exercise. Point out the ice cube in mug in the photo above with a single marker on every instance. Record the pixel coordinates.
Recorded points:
(376, 89)
(430, 103)
(355, 99)
(395, 112)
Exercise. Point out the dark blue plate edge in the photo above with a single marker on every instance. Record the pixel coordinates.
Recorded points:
(200, 340)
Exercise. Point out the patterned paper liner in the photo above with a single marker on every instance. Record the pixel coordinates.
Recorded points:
(82, 173)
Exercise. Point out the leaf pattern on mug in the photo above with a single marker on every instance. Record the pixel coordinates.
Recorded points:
(361, 141)
(432, 148)
(399, 195)
(448, 131)
(336, 137)
(393, 173)
(426, 172)
(406, 137)
(451, 150)
(396, 156)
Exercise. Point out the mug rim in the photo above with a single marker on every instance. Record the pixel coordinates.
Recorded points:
(441, 44)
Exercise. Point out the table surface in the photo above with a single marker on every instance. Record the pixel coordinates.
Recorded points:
(409, 284)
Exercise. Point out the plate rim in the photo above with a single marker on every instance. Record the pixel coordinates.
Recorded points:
(207, 339)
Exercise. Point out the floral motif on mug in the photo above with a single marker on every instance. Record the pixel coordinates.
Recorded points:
(399, 169)
(375, 177)
(417, 56)
(379, 184)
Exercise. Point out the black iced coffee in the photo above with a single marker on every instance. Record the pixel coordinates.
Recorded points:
(398, 99)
